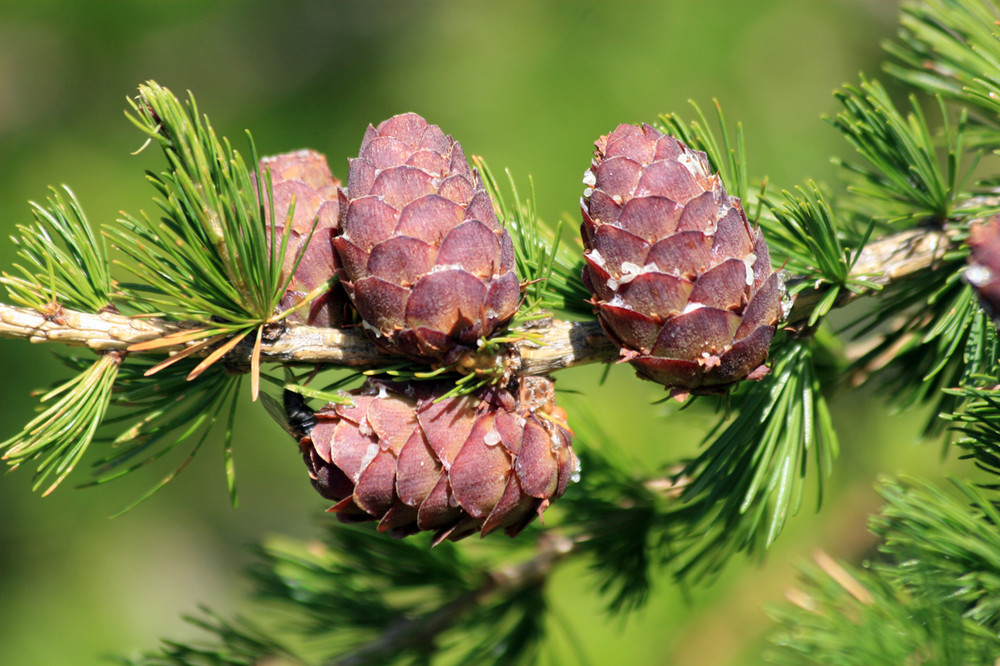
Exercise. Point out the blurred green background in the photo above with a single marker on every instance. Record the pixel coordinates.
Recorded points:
(528, 84)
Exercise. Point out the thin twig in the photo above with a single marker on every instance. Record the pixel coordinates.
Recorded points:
(559, 345)
(415, 632)
(553, 548)
(884, 262)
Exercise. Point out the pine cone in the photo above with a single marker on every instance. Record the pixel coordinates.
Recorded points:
(680, 281)
(305, 177)
(984, 264)
(456, 466)
(424, 259)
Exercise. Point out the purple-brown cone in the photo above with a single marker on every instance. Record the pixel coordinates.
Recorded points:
(456, 466)
(984, 264)
(423, 257)
(680, 280)
(304, 177)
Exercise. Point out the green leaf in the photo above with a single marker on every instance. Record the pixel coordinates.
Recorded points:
(930, 598)
(817, 246)
(621, 519)
(950, 48)
(741, 490)
(156, 414)
(549, 270)
(904, 171)
(65, 265)
(214, 257)
(935, 540)
(57, 439)
(357, 586)
(239, 643)
(940, 338)
(727, 158)
(977, 421)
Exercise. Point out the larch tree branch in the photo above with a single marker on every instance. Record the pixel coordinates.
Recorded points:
(550, 347)
(503, 582)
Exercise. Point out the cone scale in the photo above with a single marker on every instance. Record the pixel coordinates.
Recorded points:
(983, 272)
(402, 455)
(303, 179)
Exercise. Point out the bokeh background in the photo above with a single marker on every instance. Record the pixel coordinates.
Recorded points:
(529, 84)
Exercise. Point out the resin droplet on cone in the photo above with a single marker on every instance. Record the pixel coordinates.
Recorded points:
(303, 178)
(423, 257)
(680, 280)
(455, 466)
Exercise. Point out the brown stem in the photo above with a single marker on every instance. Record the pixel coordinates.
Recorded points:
(422, 631)
(883, 262)
(561, 344)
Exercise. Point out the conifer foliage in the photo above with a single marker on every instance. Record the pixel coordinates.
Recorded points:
(404, 327)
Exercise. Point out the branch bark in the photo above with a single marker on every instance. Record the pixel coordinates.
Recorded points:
(424, 630)
(558, 345)
(885, 261)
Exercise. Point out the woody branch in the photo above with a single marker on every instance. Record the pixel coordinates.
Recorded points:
(558, 345)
